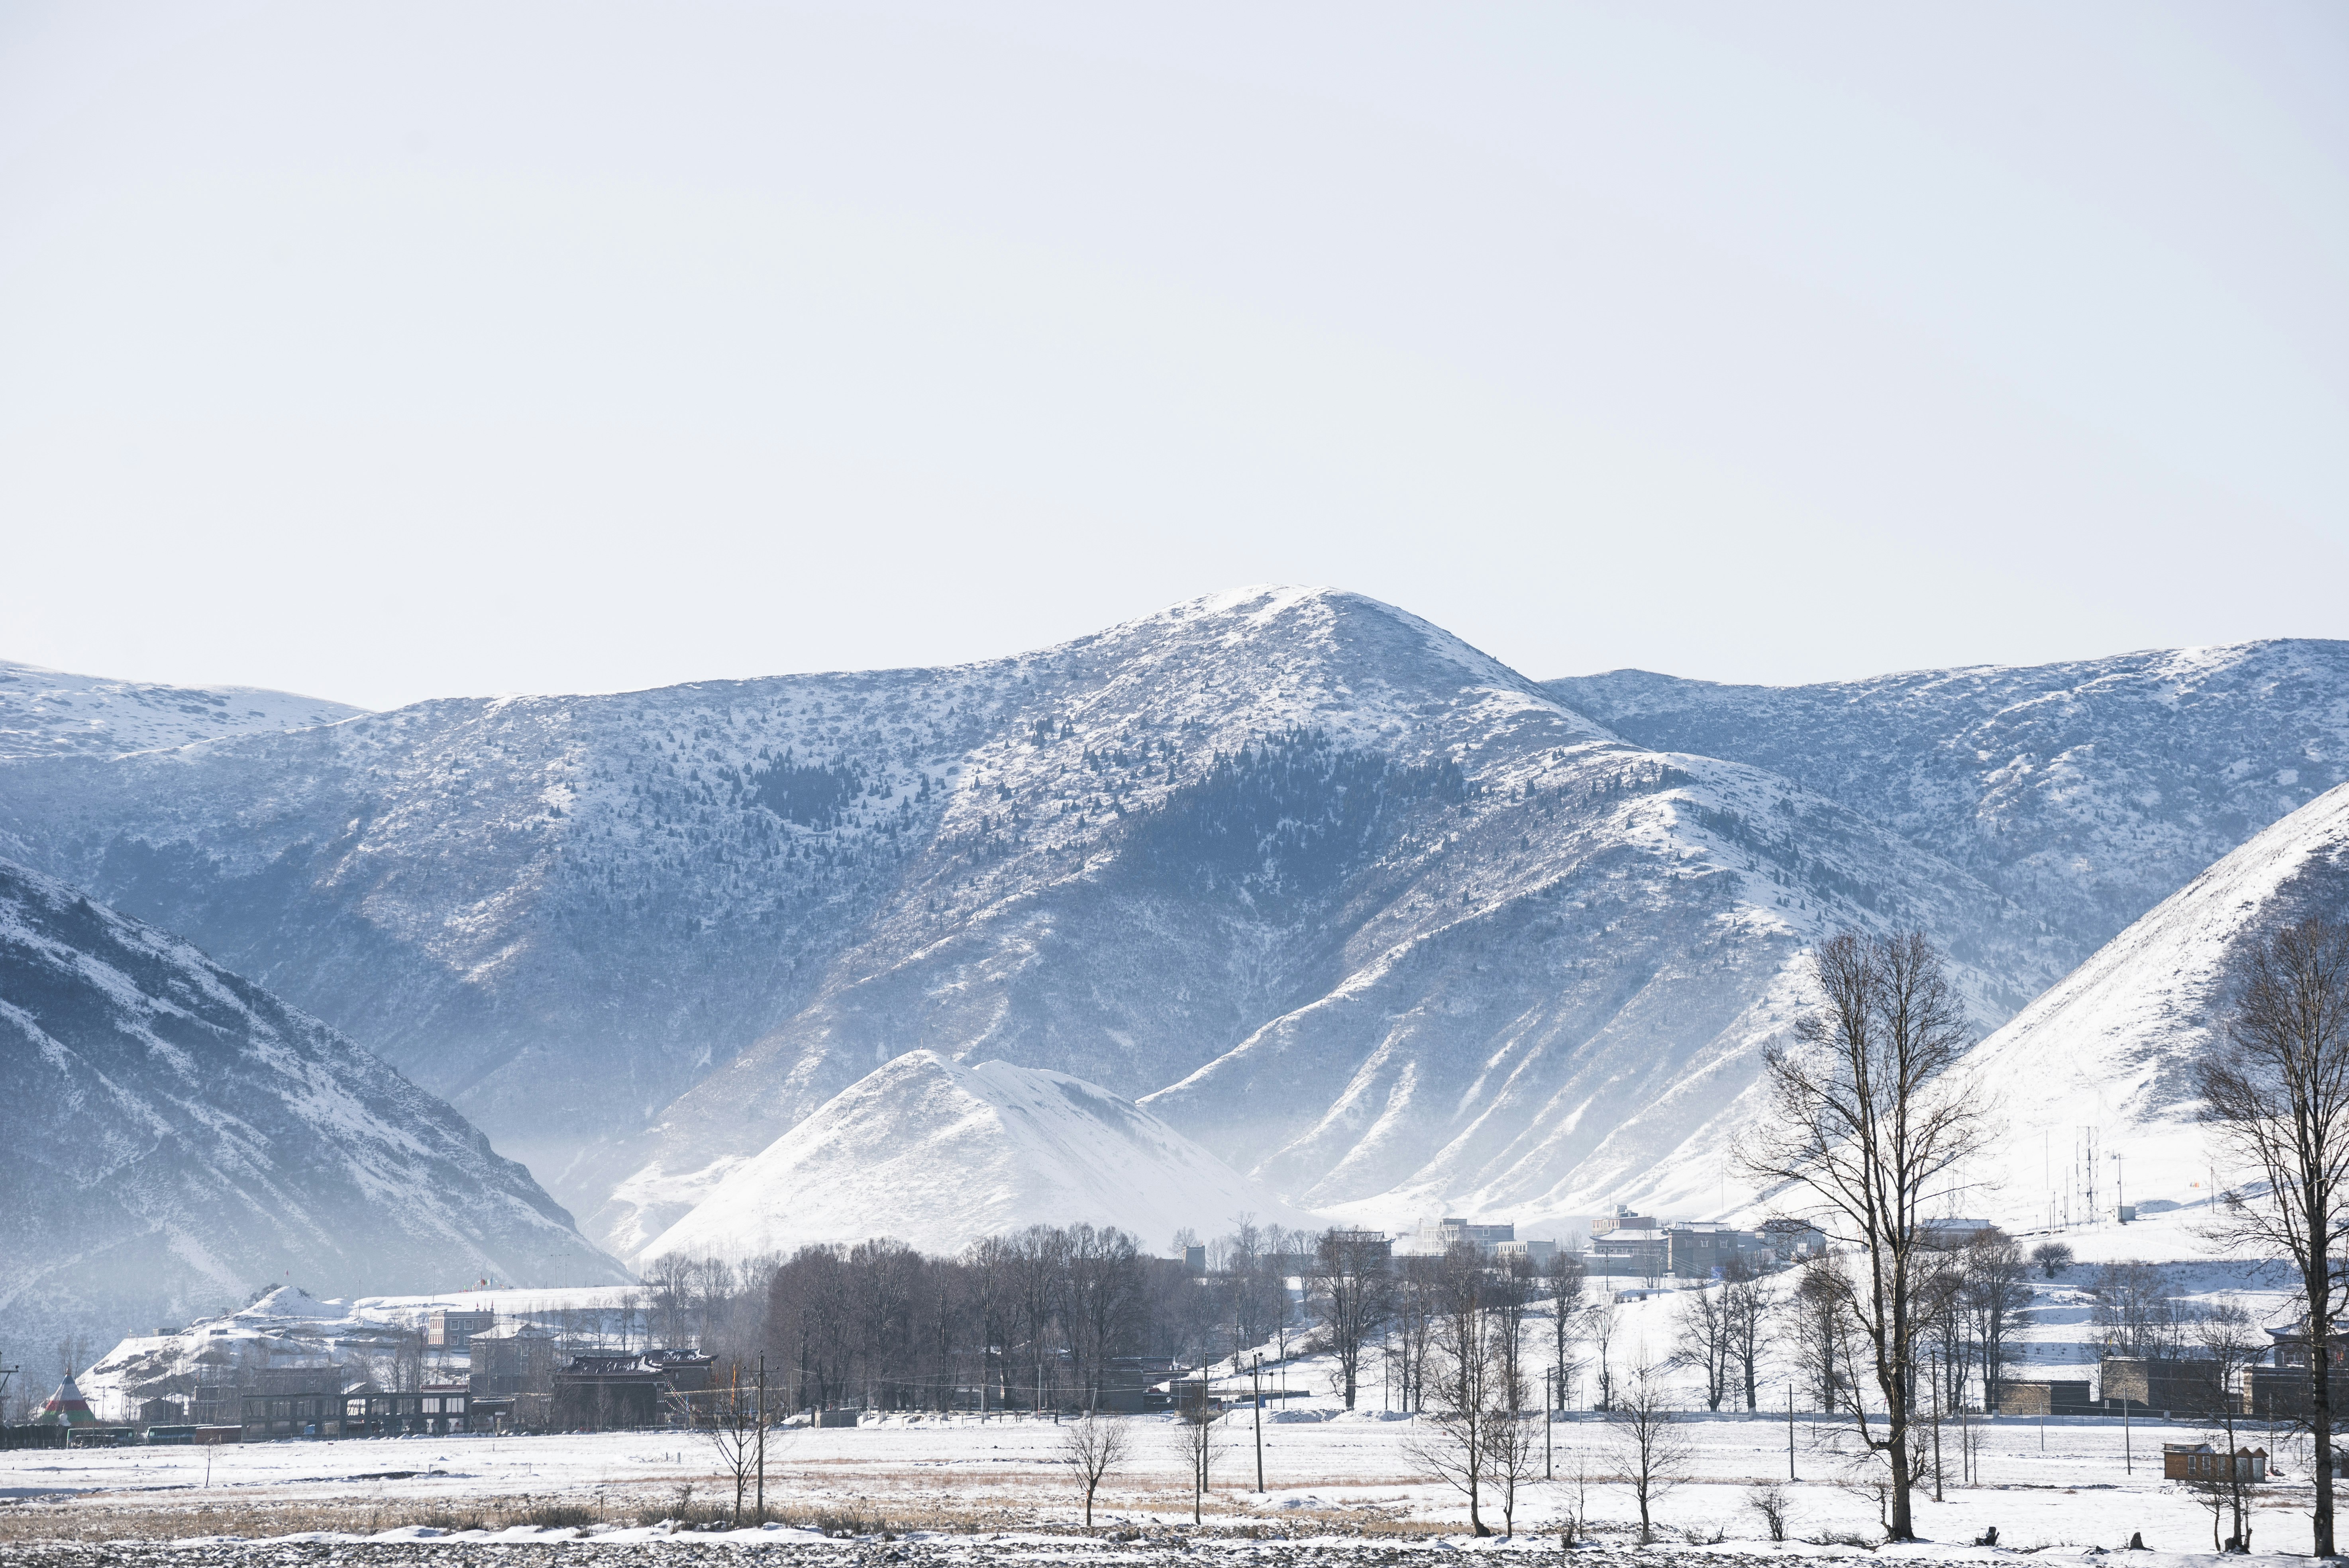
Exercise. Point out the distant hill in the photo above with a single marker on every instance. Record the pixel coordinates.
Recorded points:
(174, 1138)
(936, 1154)
(2086, 791)
(49, 713)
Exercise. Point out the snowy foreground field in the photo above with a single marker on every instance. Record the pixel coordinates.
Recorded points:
(949, 1487)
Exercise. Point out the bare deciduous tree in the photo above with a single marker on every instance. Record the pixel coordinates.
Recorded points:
(1288, 1253)
(2277, 1093)
(1040, 1319)
(726, 1417)
(1650, 1444)
(1418, 1286)
(2227, 1341)
(1198, 1435)
(1508, 1293)
(1992, 1298)
(1748, 1306)
(1564, 1285)
(1350, 1293)
(1817, 1324)
(1513, 1446)
(2137, 1310)
(1702, 1324)
(2051, 1258)
(1600, 1319)
(1453, 1432)
(1097, 1446)
(1867, 1121)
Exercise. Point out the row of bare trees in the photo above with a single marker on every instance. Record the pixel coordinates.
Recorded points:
(1034, 1320)
(1031, 1320)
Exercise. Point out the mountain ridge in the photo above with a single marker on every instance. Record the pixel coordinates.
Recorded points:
(2090, 787)
(1288, 850)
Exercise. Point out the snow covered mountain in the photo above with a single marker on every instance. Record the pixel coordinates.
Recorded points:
(936, 1154)
(1432, 936)
(49, 713)
(2086, 791)
(174, 1136)
(2109, 1047)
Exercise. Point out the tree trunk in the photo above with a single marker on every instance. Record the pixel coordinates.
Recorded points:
(2319, 1403)
(1896, 1426)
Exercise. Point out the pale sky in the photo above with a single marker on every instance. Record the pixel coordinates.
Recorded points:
(385, 352)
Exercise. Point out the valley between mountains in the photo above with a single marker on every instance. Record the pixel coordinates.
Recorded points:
(1346, 917)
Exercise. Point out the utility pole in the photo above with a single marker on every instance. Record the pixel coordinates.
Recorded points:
(1937, 1428)
(1255, 1387)
(1549, 1418)
(763, 1437)
(1966, 1435)
(1790, 1432)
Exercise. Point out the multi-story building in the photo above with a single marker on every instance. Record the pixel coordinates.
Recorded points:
(455, 1330)
(1682, 1249)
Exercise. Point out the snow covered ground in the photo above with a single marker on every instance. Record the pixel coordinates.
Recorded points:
(2054, 1483)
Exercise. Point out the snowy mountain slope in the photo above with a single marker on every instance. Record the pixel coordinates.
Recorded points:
(639, 937)
(174, 1135)
(49, 713)
(1080, 910)
(936, 1154)
(1580, 1035)
(2111, 1044)
(557, 911)
(2087, 791)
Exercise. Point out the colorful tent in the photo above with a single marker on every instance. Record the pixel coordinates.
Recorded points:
(66, 1407)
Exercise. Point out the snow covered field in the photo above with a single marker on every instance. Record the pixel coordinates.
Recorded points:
(2056, 1483)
